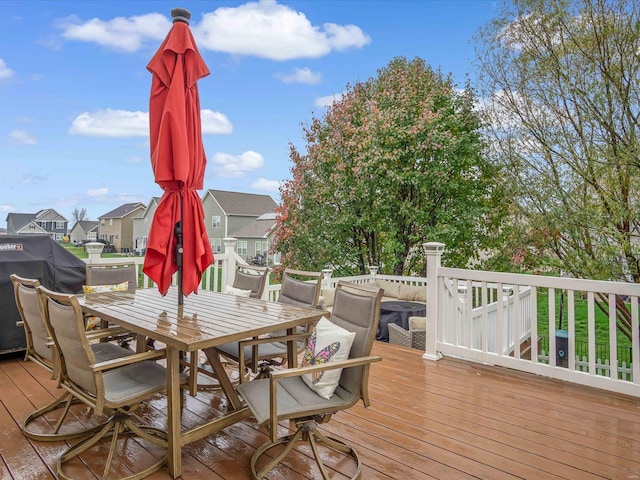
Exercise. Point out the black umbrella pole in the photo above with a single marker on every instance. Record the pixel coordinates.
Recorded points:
(179, 250)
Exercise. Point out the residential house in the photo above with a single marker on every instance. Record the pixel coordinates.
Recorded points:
(258, 237)
(235, 214)
(85, 230)
(141, 226)
(44, 222)
(116, 226)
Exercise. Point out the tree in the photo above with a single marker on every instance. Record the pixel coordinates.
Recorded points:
(79, 215)
(563, 83)
(394, 163)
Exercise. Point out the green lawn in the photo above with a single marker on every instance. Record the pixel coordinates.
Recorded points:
(602, 321)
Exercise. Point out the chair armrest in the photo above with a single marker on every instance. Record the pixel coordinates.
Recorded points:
(20, 324)
(129, 359)
(321, 367)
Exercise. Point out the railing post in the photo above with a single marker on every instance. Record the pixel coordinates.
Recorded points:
(326, 277)
(434, 251)
(373, 271)
(229, 266)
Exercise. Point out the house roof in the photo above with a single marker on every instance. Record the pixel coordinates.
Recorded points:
(256, 229)
(123, 210)
(49, 215)
(249, 204)
(19, 220)
(88, 225)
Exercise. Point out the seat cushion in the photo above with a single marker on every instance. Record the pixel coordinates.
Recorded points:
(126, 384)
(265, 350)
(108, 351)
(294, 398)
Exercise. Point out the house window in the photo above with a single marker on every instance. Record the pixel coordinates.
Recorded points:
(59, 237)
(111, 221)
(102, 222)
(258, 248)
(264, 248)
(216, 245)
(59, 225)
(215, 221)
(241, 247)
(31, 226)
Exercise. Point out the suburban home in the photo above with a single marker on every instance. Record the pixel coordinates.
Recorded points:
(45, 222)
(258, 237)
(141, 226)
(116, 226)
(85, 230)
(235, 214)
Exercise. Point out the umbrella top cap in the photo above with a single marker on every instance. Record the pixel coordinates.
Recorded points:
(181, 15)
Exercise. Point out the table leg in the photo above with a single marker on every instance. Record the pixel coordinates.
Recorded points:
(292, 350)
(223, 379)
(174, 462)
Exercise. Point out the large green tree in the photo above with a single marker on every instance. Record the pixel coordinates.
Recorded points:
(395, 162)
(562, 86)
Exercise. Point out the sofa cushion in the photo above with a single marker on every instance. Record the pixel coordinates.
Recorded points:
(391, 289)
(417, 323)
(413, 293)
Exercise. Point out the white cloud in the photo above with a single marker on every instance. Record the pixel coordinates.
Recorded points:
(301, 75)
(97, 192)
(134, 160)
(124, 123)
(111, 123)
(328, 100)
(266, 185)
(234, 166)
(125, 34)
(20, 136)
(5, 71)
(215, 123)
(7, 208)
(267, 29)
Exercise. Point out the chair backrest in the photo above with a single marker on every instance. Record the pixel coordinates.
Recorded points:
(38, 336)
(357, 309)
(251, 278)
(296, 291)
(112, 274)
(64, 316)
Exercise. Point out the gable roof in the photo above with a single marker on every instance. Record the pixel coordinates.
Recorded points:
(87, 225)
(49, 215)
(259, 228)
(247, 204)
(19, 220)
(123, 210)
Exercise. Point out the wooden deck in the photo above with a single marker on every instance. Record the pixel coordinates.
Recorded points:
(427, 420)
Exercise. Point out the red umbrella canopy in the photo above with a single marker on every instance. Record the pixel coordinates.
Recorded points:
(178, 160)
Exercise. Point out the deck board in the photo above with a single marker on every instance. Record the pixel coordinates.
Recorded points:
(442, 420)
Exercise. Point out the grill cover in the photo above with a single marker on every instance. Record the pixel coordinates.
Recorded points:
(33, 256)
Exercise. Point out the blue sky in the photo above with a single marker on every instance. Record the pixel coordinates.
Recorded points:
(74, 89)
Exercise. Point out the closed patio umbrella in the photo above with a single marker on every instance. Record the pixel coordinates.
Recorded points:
(178, 240)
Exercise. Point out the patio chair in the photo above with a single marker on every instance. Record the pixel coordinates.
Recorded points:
(288, 395)
(116, 386)
(248, 279)
(261, 357)
(110, 276)
(415, 337)
(41, 350)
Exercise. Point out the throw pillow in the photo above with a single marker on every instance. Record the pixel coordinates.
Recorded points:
(237, 291)
(120, 287)
(328, 343)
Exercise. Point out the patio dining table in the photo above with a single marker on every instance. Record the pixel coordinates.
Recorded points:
(205, 320)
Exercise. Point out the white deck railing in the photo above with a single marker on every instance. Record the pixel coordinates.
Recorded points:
(492, 322)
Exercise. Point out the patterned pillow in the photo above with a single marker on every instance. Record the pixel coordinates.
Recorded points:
(120, 287)
(328, 343)
(237, 291)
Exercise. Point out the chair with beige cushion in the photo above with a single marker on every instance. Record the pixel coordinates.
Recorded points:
(303, 396)
(415, 337)
(41, 350)
(296, 289)
(115, 386)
